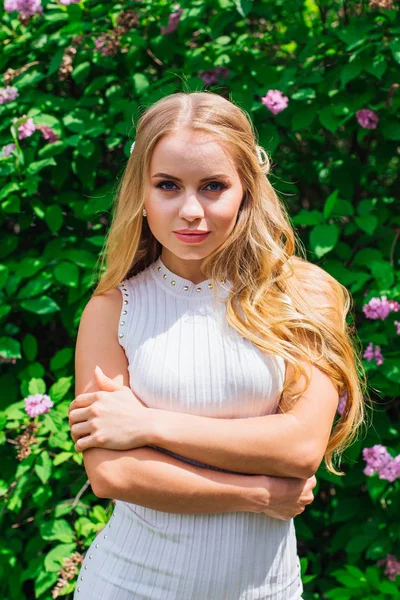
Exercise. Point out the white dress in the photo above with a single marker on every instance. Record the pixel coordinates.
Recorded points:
(184, 356)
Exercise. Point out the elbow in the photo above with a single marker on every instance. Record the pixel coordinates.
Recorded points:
(307, 466)
(100, 489)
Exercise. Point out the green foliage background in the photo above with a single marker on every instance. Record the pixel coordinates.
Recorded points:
(339, 180)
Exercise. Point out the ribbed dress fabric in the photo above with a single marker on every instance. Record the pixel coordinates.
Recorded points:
(184, 356)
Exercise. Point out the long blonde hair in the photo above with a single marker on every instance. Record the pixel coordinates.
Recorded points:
(278, 300)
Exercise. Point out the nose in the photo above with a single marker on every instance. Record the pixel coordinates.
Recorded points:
(191, 208)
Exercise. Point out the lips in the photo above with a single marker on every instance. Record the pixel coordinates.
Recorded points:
(191, 237)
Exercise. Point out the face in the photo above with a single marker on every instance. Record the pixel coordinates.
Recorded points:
(192, 184)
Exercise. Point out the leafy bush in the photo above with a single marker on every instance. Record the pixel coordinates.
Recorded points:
(320, 82)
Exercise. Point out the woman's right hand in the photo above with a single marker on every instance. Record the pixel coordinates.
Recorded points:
(288, 496)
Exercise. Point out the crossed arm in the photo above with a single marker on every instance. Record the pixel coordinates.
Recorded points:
(290, 444)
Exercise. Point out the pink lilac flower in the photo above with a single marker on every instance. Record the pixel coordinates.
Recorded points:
(397, 323)
(380, 461)
(342, 403)
(7, 149)
(48, 133)
(367, 118)
(212, 75)
(392, 569)
(26, 8)
(275, 101)
(26, 129)
(379, 308)
(38, 404)
(173, 22)
(371, 353)
(68, 2)
(8, 94)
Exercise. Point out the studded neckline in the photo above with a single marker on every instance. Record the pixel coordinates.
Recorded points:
(182, 287)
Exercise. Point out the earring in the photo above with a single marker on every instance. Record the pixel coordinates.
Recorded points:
(144, 212)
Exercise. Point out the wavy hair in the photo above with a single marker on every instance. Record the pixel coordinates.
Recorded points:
(275, 291)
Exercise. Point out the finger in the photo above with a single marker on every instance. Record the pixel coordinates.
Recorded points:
(89, 441)
(79, 430)
(85, 400)
(80, 414)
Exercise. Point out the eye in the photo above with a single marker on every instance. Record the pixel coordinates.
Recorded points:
(166, 182)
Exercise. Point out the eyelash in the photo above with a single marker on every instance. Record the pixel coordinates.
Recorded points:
(168, 181)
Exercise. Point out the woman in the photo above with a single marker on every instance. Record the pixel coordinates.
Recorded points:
(219, 393)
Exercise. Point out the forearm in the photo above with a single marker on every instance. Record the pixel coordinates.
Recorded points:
(150, 478)
(269, 445)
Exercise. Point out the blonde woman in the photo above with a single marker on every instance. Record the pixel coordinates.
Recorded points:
(222, 359)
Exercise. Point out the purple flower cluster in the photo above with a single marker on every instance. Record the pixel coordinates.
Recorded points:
(68, 2)
(392, 565)
(173, 21)
(48, 133)
(275, 101)
(26, 8)
(373, 353)
(38, 404)
(342, 403)
(8, 94)
(380, 308)
(397, 323)
(26, 129)
(7, 149)
(212, 75)
(380, 461)
(367, 118)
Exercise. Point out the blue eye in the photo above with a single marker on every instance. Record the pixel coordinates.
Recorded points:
(162, 183)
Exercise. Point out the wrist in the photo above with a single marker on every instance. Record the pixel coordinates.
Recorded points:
(154, 429)
(255, 493)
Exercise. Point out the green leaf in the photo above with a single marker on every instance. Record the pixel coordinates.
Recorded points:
(304, 94)
(62, 358)
(61, 458)
(243, 7)
(323, 238)
(81, 72)
(307, 217)
(303, 117)
(141, 83)
(9, 348)
(350, 71)
(37, 386)
(67, 273)
(55, 558)
(390, 129)
(58, 529)
(395, 48)
(43, 581)
(376, 487)
(330, 203)
(30, 346)
(35, 167)
(40, 306)
(54, 217)
(35, 287)
(367, 223)
(328, 119)
(43, 467)
(60, 388)
(4, 273)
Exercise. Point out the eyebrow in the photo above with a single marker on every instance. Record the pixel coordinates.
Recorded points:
(216, 176)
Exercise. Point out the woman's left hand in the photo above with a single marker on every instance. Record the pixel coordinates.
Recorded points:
(112, 418)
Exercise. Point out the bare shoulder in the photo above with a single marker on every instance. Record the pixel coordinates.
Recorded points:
(97, 344)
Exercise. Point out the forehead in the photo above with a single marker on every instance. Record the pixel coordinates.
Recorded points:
(191, 151)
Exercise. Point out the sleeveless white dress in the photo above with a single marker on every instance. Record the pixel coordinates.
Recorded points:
(185, 357)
